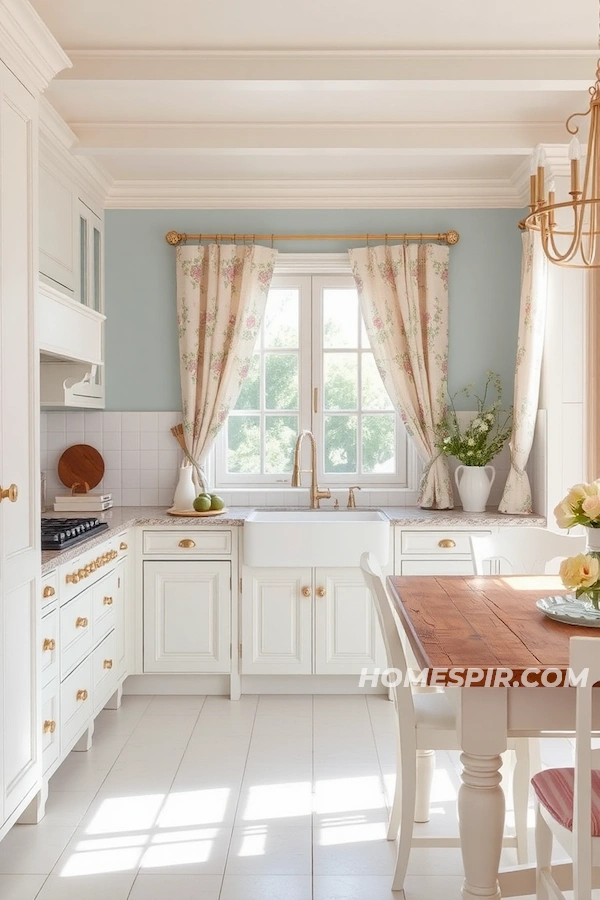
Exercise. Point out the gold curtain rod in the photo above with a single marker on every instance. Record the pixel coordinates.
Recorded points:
(446, 237)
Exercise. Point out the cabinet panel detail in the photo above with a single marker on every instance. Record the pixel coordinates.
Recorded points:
(187, 616)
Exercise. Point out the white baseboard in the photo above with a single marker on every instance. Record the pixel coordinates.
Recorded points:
(251, 684)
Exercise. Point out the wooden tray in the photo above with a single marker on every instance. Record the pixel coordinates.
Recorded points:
(81, 468)
(188, 513)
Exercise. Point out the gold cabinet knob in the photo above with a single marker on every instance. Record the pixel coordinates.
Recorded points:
(446, 543)
(107, 664)
(81, 695)
(48, 591)
(187, 543)
(306, 592)
(49, 726)
(122, 546)
(49, 644)
(72, 578)
(10, 493)
(114, 554)
(82, 573)
(81, 622)
(108, 601)
(321, 592)
(88, 570)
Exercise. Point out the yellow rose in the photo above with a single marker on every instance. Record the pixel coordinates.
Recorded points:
(564, 515)
(579, 571)
(591, 507)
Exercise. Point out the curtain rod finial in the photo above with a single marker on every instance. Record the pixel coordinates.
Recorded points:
(452, 237)
(174, 238)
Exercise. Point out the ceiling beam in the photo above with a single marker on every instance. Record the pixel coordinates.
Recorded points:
(496, 70)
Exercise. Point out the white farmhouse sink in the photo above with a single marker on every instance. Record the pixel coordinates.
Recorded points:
(315, 537)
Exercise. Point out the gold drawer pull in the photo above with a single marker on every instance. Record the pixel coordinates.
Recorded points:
(107, 664)
(122, 546)
(48, 591)
(10, 493)
(446, 543)
(108, 601)
(321, 592)
(187, 543)
(49, 726)
(306, 592)
(72, 579)
(49, 644)
(82, 695)
(81, 622)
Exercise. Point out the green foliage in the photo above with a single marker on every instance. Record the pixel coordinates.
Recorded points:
(486, 433)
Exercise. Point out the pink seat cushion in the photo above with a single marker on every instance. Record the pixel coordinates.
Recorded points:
(554, 789)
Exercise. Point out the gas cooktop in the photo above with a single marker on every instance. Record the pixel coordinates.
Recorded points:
(60, 533)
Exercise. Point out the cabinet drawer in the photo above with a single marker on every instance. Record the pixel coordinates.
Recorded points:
(187, 543)
(50, 725)
(76, 704)
(75, 631)
(440, 543)
(104, 670)
(49, 647)
(104, 600)
(436, 567)
(49, 589)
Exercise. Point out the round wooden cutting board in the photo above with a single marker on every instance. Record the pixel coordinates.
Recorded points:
(81, 468)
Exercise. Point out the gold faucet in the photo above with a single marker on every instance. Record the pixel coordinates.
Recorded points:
(316, 493)
(351, 498)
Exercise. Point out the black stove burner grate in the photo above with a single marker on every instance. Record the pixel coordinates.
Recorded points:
(60, 533)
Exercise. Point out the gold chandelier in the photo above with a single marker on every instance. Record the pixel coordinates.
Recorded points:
(570, 231)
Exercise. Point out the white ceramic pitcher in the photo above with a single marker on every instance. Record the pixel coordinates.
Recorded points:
(474, 486)
(185, 492)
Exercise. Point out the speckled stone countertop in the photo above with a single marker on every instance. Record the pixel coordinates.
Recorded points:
(122, 517)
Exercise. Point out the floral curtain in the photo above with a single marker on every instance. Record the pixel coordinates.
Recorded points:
(530, 344)
(221, 297)
(403, 291)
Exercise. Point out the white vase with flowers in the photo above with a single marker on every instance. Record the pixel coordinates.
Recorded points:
(581, 573)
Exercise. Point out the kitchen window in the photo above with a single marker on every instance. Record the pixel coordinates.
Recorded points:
(313, 369)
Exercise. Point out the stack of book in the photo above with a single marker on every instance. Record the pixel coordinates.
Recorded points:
(82, 502)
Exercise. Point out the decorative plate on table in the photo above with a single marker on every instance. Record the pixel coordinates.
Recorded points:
(191, 513)
(569, 610)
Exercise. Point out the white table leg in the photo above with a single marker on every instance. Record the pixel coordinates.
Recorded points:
(481, 824)
(482, 728)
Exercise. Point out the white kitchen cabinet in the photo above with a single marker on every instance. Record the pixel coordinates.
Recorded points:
(428, 551)
(58, 218)
(347, 634)
(187, 625)
(90, 258)
(308, 621)
(277, 621)
(20, 749)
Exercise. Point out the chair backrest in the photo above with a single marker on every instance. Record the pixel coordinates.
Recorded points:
(521, 551)
(583, 654)
(396, 657)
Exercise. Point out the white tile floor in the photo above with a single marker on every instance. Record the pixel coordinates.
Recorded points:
(271, 798)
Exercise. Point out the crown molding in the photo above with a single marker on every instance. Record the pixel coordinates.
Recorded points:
(315, 194)
(57, 143)
(28, 48)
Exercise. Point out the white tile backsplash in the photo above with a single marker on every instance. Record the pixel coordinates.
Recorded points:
(142, 459)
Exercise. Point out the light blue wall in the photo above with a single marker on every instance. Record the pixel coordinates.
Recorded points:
(141, 339)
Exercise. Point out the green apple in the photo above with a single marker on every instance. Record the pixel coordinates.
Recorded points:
(216, 502)
(202, 503)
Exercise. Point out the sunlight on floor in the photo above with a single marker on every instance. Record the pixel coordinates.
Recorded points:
(276, 801)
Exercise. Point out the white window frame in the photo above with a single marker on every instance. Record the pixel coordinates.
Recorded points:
(300, 270)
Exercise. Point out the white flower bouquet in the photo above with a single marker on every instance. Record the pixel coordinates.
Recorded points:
(486, 433)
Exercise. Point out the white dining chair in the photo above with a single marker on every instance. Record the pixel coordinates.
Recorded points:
(567, 801)
(521, 550)
(426, 722)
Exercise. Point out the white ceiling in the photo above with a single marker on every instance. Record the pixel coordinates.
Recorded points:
(226, 105)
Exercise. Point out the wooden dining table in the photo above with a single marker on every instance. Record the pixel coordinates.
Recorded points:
(508, 664)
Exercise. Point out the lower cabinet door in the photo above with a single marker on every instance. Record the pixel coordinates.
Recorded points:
(50, 725)
(277, 621)
(187, 616)
(104, 671)
(76, 703)
(347, 635)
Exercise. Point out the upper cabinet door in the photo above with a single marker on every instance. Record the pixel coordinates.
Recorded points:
(58, 217)
(90, 289)
(19, 458)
